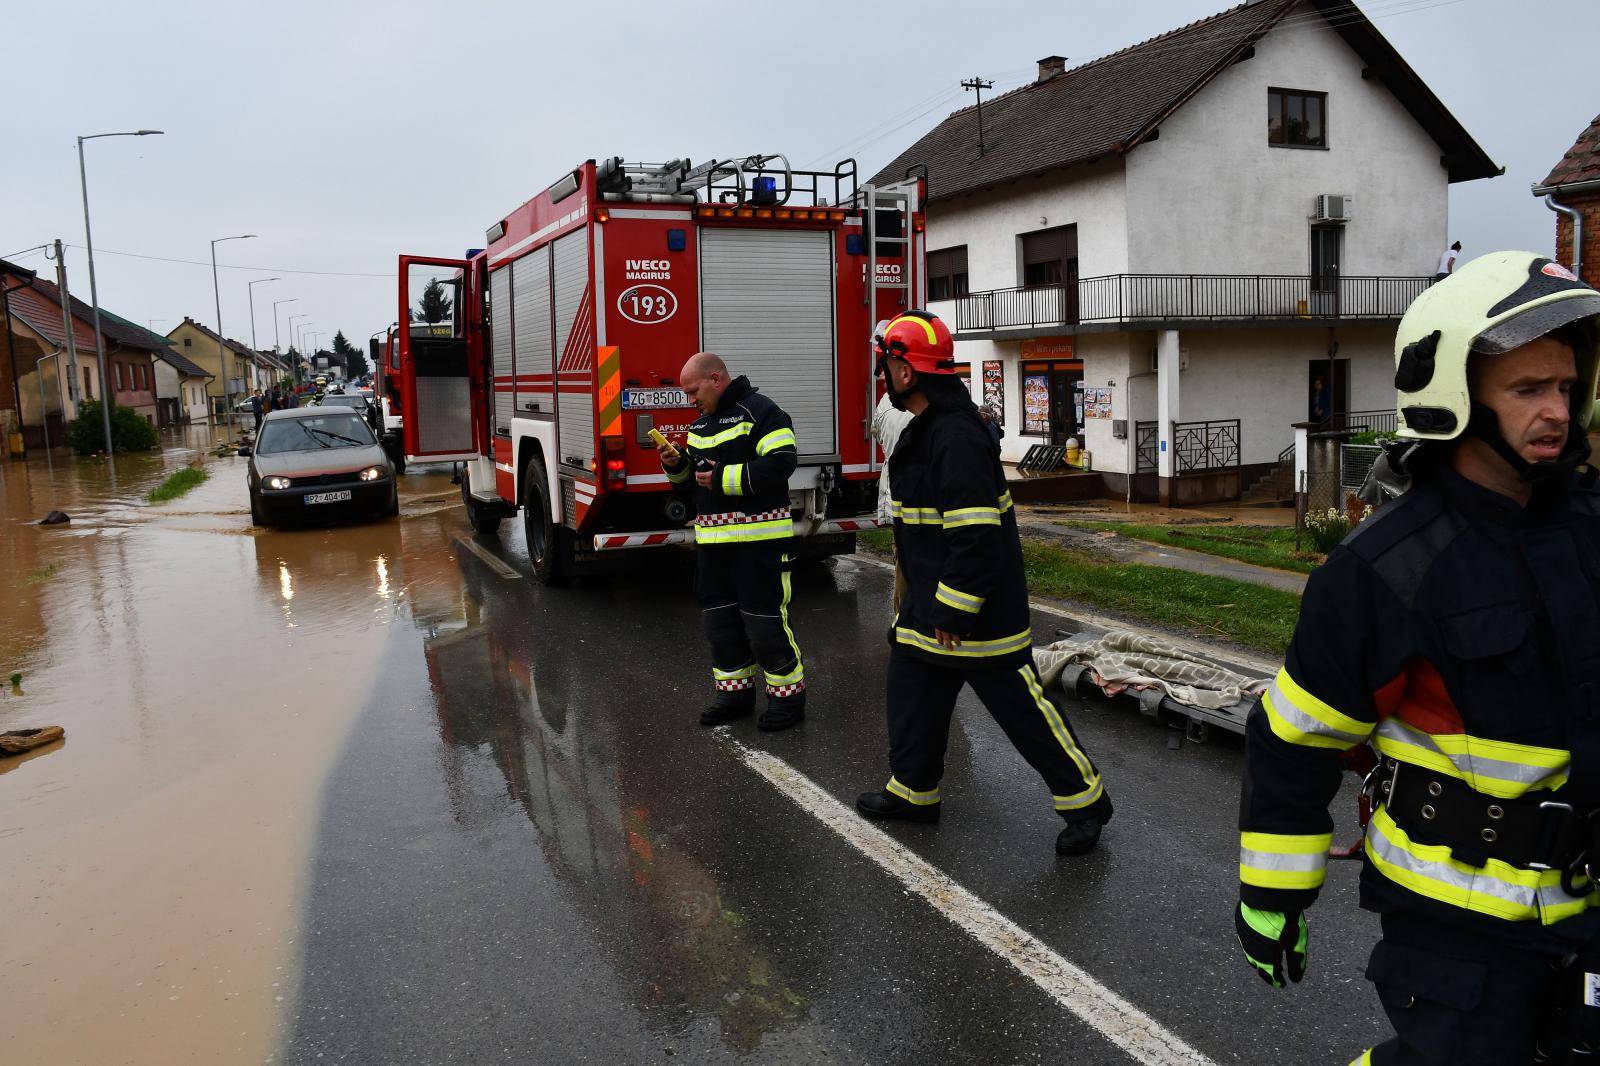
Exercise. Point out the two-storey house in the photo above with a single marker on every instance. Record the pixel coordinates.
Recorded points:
(202, 346)
(1176, 252)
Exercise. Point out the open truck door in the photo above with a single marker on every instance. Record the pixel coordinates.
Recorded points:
(440, 364)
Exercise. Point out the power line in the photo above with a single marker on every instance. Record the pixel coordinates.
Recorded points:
(234, 266)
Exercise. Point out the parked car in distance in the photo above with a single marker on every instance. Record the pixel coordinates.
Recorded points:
(318, 462)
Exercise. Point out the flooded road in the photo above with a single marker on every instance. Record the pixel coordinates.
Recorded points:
(359, 795)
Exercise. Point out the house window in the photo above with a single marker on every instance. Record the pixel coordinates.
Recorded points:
(186, 342)
(1297, 119)
(1050, 257)
(88, 393)
(947, 273)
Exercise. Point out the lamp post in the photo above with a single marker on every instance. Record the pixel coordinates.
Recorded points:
(94, 295)
(251, 289)
(294, 342)
(275, 304)
(222, 346)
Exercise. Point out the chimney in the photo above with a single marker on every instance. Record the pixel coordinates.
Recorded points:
(1052, 67)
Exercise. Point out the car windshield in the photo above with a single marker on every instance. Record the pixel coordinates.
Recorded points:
(313, 433)
(344, 399)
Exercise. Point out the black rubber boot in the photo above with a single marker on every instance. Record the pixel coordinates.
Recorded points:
(1083, 828)
(884, 806)
(783, 712)
(725, 708)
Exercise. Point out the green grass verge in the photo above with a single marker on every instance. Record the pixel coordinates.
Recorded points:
(1214, 607)
(1262, 545)
(176, 485)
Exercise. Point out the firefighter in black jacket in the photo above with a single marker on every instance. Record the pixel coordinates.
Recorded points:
(741, 451)
(1456, 632)
(964, 616)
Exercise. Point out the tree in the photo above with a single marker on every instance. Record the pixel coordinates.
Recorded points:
(130, 431)
(355, 363)
(435, 304)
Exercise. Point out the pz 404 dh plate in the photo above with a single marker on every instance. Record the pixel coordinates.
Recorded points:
(328, 497)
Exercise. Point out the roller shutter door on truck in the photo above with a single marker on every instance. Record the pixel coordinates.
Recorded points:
(766, 307)
(500, 347)
(574, 346)
(530, 297)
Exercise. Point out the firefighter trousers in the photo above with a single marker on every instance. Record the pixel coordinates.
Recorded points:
(922, 697)
(1455, 999)
(744, 592)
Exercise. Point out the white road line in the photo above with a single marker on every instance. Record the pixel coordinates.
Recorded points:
(1127, 1027)
(490, 560)
(1100, 621)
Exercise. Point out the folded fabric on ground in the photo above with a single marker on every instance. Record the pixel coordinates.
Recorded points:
(1121, 659)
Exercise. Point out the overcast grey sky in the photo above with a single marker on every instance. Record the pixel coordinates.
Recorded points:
(344, 133)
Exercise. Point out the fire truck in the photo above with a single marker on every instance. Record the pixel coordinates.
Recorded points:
(540, 362)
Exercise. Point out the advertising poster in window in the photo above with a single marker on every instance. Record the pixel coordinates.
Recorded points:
(994, 388)
(1036, 403)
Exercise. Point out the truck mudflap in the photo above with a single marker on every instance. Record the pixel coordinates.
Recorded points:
(804, 527)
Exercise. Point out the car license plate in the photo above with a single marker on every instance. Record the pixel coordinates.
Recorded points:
(328, 497)
(640, 399)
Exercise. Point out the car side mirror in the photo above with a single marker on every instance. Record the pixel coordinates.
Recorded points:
(243, 449)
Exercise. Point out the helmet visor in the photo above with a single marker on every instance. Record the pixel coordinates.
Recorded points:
(1536, 322)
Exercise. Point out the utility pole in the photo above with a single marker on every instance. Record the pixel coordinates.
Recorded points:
(977, 85)
(66, 327)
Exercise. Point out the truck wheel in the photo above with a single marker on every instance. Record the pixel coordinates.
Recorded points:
(479, 516)
(549, 543)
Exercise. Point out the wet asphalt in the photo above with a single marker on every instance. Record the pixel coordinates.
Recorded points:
(529, 851)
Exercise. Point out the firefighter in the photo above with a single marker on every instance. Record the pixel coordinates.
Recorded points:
(964, 616)
(740, 453)
(1455, 632)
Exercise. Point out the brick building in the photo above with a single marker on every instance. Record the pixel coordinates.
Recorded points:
(1575, 184)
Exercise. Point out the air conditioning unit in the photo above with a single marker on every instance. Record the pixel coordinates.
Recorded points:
(1334, 207)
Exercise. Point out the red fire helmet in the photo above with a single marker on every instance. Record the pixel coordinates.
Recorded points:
(919, 338)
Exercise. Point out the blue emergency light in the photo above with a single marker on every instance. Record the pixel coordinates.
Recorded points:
(765, 189)
(677, 240)
(471, 252)
(855, 244)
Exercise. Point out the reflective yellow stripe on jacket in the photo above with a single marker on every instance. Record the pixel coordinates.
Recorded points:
(1284, 860)
(742, 429)
(733, 479)
(1298, 717)
(1498, 889)
(1494, 767)
(967, 648)
(961, 601)
(778, 438)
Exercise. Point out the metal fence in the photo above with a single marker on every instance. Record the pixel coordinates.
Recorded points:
(1136, 297)
(1146, 448)
(1197, 447)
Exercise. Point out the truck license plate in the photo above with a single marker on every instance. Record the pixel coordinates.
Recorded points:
(328, 497)
(641, 399)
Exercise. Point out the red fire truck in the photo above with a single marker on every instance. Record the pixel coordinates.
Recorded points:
(540, 362)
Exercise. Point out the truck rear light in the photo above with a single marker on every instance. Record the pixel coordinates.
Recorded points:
(615, 463)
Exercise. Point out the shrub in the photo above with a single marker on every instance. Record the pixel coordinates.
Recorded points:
(1329, 527)
(1371, 436)
(130, 431)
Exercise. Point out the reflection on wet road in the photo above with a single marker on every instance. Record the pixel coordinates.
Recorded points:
(356, 795)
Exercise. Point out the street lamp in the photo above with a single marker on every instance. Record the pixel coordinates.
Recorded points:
(222, 346)
(251, 289)
(94, 295)
(275, 304)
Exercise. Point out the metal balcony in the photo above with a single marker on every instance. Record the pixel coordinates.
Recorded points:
(1116, 301)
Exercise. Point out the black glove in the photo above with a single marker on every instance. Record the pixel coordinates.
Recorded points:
(1274, 942)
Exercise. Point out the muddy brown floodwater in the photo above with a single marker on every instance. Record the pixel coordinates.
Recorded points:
(206, 673)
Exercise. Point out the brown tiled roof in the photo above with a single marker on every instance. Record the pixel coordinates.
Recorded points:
(1110, 105)
(1582, 161)
(39, 304)
(233, 345)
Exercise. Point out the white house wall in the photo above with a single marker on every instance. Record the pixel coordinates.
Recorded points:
(1211, 196)
(1091, 197)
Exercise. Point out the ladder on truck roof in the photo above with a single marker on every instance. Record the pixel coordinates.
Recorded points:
(900, 198)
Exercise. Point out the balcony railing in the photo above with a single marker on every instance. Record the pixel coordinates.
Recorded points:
(1187, 297)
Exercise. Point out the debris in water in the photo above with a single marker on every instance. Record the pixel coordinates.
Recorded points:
(18, 741)
(16, 679)
(55, 518)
